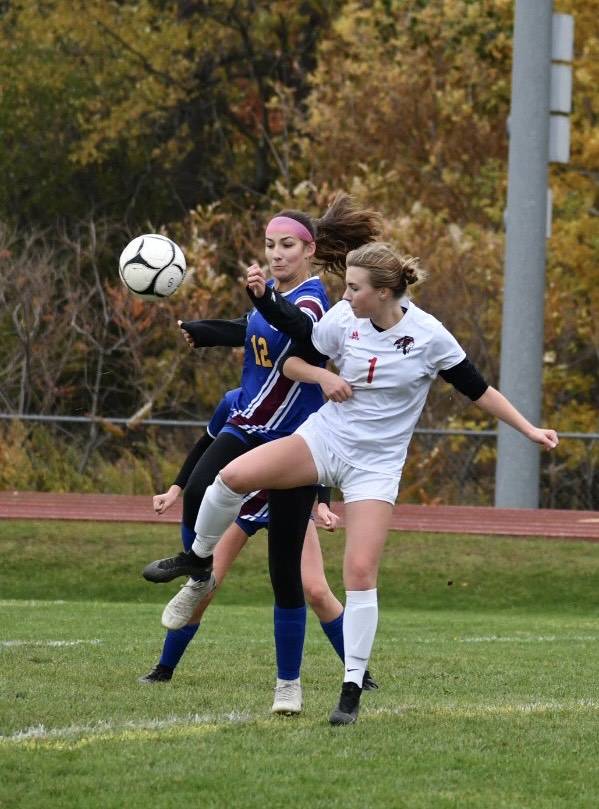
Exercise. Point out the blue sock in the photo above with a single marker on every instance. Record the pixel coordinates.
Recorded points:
(187, 537)
(175, 644)
(290, 629)
(334, 632)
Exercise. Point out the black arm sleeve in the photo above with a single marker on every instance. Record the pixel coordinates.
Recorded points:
(323, 493)
(284, 316)
(466, 378)
(208, 333)
(194, 456)
(304, 351)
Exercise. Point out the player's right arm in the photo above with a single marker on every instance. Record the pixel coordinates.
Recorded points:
(162, 502)
(303, 362)
(333, 386)
(209, 333)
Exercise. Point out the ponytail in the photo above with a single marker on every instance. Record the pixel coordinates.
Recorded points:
(342, 228)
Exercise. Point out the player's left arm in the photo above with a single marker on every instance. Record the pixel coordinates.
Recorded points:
(294, 320)
(495, 403)
(466, 378)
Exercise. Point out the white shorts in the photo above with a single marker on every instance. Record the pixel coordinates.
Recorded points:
(355, 484)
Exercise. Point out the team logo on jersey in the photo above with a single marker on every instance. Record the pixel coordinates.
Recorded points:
(354, 335)
(406, 344)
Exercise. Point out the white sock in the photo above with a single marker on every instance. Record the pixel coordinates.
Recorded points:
(220, 506)
(359, 628)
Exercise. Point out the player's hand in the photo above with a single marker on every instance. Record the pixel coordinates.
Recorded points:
(335, 387)
(188, 338)
(546, 438)
(162, 502)
(329, 519)
(256, 280)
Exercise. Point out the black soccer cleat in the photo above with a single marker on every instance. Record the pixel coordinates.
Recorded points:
(369, 683)
(183, 564)
(159, 674)
(348, 708)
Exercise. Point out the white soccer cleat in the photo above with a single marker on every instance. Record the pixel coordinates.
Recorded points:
(180, 609)
(288, 697)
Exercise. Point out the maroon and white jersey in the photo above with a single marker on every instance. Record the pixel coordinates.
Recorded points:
(390, 373)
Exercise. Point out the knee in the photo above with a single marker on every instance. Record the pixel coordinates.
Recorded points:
(317, 595)
(232, 477)
(360, 575)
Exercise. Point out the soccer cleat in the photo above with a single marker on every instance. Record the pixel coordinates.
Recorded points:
(288, 697)
(159, 674)
(179, 610)
(183, 564)
(369, 683)
(348, 707)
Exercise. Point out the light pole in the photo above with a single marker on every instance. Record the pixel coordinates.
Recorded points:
(518, 461)
(541, 84)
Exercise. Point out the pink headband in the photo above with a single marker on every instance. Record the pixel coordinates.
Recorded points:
(285, 224)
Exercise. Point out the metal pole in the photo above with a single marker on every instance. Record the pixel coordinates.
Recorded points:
(518, 461)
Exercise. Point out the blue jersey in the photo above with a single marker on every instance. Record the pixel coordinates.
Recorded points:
(269, 405)
(221, 413)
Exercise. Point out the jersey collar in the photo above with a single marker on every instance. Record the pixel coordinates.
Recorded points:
(271, 283)
(398, 327)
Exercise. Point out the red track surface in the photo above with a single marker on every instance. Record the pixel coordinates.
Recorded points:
(553, 524)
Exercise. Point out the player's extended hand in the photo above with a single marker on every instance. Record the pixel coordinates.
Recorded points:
(188, 338)
(256, 280)
(335, 387)
(162, 502)
(329, 519)
(546, 438)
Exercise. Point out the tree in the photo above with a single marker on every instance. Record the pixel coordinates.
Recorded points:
(142, 110)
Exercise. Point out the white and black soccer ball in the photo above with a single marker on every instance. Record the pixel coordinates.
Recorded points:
(152, 267)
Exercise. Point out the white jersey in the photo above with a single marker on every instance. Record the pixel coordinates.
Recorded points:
(390, 373)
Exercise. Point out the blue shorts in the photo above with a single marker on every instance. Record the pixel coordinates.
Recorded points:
(250, 527)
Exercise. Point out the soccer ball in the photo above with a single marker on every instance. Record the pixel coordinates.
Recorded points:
(152, 267)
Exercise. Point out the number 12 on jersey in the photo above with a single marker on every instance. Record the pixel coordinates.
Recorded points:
(260, 347)
(371, 364)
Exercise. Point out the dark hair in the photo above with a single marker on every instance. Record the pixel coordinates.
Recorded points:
(387, 268)
(342, 228)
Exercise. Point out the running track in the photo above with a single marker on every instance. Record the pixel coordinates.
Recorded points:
(553, 524)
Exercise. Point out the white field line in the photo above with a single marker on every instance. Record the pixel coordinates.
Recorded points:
(105, 729)
(499, 709)
(15, 602)
(78, 735)
(11, 643)
(504, 639)
(529, 639)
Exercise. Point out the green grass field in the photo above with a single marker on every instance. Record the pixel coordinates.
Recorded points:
(488, 685)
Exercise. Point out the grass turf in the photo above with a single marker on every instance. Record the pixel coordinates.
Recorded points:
(488, 685)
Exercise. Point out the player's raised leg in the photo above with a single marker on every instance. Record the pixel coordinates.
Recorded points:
(282, 464)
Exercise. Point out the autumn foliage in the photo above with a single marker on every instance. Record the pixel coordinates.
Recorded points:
(201, 119)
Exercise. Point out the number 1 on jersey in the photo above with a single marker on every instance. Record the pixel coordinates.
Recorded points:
(371, 364)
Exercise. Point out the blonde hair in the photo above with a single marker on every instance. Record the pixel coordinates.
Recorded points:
(387, 268)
